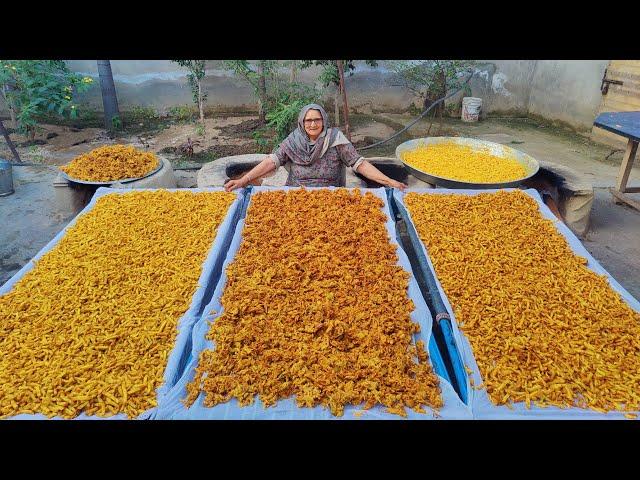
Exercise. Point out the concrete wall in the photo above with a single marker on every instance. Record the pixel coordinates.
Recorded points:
(567, 90)
(554, 89)
(504, 85)
(564, 90)
(372, 89)
(162, 84)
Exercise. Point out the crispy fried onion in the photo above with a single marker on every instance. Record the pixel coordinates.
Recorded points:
(316, 307)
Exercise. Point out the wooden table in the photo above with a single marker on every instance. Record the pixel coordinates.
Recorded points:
(625, 124)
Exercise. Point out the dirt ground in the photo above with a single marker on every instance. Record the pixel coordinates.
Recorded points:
(216, 133)
(222, 136)
(31, 217)
(599, 163)
(614, 238)
(57, 145)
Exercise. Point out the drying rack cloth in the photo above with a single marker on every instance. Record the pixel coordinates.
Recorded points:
(171, 406)
(211, 270)
(479, 401)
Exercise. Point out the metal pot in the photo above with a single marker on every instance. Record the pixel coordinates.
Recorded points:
(6, 178)
(530, 164)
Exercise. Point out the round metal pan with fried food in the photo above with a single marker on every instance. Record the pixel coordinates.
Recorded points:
(464, 162)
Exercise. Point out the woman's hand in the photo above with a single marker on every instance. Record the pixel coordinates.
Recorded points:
(265, 166)
(233, 184)
(399, 185)
(372, 173)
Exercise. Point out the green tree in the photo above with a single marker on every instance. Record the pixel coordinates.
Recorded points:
(12, 112)
(280, 97)
(12, 147)
(261, 77)
(195, 76)
(293, 65)
(34, 88)
(431, 79)
(283, 114)
(330, 75)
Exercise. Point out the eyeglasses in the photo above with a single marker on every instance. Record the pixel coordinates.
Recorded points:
(309, 121)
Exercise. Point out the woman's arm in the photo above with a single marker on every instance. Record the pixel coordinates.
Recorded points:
(372, 173)
(351, 158)
(264, 167)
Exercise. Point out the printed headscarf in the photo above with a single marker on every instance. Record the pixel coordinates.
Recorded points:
(299, 147)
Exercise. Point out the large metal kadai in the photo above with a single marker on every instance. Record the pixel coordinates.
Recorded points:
(530, 164)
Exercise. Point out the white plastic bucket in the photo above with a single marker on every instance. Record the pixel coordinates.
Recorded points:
(471, 107)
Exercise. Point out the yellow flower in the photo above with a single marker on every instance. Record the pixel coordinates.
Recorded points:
(87, 79)
(73, 106)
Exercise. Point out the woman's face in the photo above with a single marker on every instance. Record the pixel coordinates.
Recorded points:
(313, 123)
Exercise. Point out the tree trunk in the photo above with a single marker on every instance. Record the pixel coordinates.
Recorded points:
(262, 90)
(444, 93)
(9, 143)
(200, 102)
(14, 121)
(109, 97)
(336, 105)
(433, 116)
(344, 99)
(294, 71)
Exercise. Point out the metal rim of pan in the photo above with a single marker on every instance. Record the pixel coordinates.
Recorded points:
(123, 180)
(453, 183)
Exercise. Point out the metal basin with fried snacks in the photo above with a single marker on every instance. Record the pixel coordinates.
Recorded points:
(530, 164)
(110, 182)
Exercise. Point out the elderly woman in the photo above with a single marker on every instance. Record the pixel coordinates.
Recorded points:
(316, 155)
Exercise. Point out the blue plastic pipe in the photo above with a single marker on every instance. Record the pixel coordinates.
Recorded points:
(441, 314)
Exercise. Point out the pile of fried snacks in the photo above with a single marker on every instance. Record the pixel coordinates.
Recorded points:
(545, 329)
(90, 327)
(461, 162)
(316, 307)
(111, 162)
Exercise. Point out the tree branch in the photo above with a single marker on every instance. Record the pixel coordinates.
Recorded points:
(9, 142)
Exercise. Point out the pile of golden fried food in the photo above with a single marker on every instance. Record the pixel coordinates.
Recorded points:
(461, 162)
(90, 327)
(316, 307)
(544, 328)
(111, 163)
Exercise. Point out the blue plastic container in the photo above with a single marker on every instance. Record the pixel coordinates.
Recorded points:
(459, 347)
(171, 406)
(211, 271)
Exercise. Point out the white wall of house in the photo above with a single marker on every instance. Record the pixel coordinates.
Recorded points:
(555, 89)
(567, 90)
